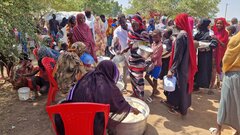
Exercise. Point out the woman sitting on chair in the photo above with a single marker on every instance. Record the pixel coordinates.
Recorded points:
(99, 86)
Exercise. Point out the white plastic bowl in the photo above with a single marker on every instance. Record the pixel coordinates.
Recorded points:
(23, 93)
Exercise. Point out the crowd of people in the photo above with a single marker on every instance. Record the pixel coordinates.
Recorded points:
(177, 52)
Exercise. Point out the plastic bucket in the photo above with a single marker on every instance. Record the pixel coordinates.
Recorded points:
(23, 93)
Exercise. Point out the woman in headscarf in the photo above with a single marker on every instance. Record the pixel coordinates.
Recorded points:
(229, 109)
(80, 48)
(204, 74)
(151, 26)
(69, 69)
(99, 86)
(221, 35)
(100, 37)
(183, 66)
(136, 62)
(82, 33)
(69, 29)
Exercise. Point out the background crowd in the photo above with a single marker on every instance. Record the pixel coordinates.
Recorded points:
(178, 51)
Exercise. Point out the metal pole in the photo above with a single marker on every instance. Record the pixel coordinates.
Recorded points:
(226, 10)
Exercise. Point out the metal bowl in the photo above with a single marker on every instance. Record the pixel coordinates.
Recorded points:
(120, 85)
(144, 51)
(102, 58)
(134, 128)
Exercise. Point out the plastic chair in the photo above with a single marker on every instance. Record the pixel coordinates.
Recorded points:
(35, 53)
(49, 64)
(78, 118)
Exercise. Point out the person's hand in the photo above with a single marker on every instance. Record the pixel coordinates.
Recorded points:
(213, 36)
(125, 50)
(135, 111)
(170, 74)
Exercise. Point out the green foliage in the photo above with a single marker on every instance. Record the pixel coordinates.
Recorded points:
(24, 15)
(197, 8)
(16, 14)
(106, 7)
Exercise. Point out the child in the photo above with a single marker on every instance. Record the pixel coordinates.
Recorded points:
(64, 48)
(156, 59)
(167, 48)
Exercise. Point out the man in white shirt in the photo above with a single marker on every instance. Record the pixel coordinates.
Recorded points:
(90, 19)
(120, 36)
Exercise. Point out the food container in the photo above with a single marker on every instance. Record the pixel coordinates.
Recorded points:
(120, 85)
(203, 44)
(169, 84)
(102, 58)
(118, 59)
(144, 51)
(24, 93)
(134, 127)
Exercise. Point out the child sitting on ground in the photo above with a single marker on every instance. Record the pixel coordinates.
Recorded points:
(156, 59)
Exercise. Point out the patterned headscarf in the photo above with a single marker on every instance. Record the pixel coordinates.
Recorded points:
(78, 47)
(68, 67)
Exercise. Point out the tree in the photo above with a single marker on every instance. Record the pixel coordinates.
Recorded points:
(106, 7)
(196, 8)
(22, 14)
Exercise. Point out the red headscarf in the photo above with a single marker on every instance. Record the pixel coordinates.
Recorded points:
(191, 23)
(181, 21)
(138, 19)
(222, 35)
(82, 33)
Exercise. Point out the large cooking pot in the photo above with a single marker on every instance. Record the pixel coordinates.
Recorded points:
(144, 51)
(134, 127)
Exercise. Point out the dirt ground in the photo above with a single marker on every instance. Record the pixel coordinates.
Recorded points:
(30, 118)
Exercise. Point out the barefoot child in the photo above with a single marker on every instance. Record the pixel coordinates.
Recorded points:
(156, 59)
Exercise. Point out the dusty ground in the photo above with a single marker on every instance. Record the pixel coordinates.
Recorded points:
(22, 118)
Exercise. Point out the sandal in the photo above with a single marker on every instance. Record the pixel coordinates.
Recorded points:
(149, 99)
(32, 99)
(214, 131)
(173, 111)
(156, 92)
(166, 103)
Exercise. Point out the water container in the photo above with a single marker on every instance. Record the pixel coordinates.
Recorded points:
(23, 93)
(169, 83)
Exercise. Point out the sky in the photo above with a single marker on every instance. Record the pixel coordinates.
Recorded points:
(233, 9)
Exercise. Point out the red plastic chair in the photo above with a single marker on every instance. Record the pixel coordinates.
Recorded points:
(78, 118)
(35, 53)
(49, 64)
